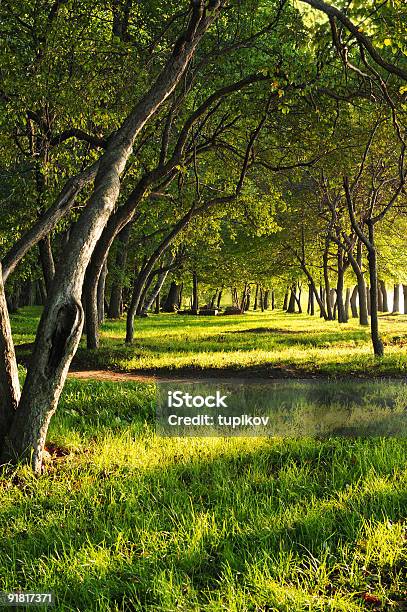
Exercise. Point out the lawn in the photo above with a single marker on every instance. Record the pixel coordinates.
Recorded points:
(270, 344)
(122, 519)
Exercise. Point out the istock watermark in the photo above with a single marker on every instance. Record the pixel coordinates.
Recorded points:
(290, 408)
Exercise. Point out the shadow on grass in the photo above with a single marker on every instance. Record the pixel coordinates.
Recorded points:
(124, 535)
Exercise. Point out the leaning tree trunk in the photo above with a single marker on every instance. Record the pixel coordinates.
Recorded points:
(9, 383)
(155, 291)
(396, 298)
(115, 302)
(61, 324)
(353, 302)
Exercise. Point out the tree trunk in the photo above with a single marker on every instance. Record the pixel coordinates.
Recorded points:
(374, 319)
(396, 298)
(347, 304)
(311, 295)
(157, 304)
(9, 383)
(379, 297)
(256, 297)
(384, 296)
(195, 299)
(339, 289)
(405, 298)
(171, 303)
(261, 299)
(91, 313)
(101, 293)
(219, 298)
(273, 300)
(155, 291)
(47, 261)
(369, 310)
(285, 303)
(329, 314)
(291, 303)
(353, 302)
(363, 294)
(60, 327)
(123, 237)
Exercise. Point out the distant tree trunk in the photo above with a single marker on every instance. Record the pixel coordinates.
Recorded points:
(219, 298)
(334, 302)
(140, 312)
(101, 293)
(243, 300)
(47, 261)
(363, 294)
(311, 301)
(380, 298)
(195, 298)
(405, 298)
(347, 304)
(298, 298)
(157, 304)
(368, 299)
(384, 295)
(172, 300)
(285, 303)
(353, 303)
(261, 299)
(248, 298)
(155, 292)
(291, 303)
(115, 303)
(340, 287)
(256, 297)
(273, 299)
(329, 314)
(181, 289)
(374, 320)
(321, 302)
(396, 298)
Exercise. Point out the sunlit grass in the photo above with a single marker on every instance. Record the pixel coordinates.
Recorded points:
(122, 519)
(258, 343)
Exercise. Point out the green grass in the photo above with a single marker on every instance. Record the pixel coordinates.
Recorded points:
(258, 344)
(122, 519)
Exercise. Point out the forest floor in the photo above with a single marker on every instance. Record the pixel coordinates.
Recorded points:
(123, 519)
